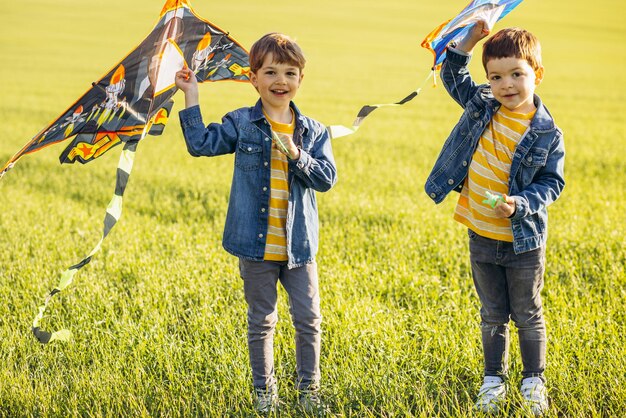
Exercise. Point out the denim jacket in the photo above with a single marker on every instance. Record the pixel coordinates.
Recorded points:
(536, 177)
(246, 132)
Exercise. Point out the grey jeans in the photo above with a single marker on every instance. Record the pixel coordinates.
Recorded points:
(509, 287)
(260, 280)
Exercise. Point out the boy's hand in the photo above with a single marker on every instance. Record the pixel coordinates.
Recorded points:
(505, 209)
(286, 146)
(477, 32)
(186, 81)
(294, 152)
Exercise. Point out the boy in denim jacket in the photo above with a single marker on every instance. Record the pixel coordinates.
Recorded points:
(281, 159)
(506, 143)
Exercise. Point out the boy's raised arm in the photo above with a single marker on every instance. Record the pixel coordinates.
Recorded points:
(454, 74)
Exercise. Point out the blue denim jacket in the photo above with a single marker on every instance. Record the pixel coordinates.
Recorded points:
(247, 133)
(536, 177)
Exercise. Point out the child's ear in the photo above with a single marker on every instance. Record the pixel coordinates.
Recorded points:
(253, 78)
(538, 76)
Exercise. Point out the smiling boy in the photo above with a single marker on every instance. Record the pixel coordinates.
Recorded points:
(506, 143)
(281, 159)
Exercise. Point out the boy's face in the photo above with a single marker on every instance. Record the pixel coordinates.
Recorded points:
(277, 83)
(513, 82)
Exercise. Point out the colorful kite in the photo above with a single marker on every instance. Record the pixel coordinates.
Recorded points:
(437, 41)
(132, 100)
(455, 29)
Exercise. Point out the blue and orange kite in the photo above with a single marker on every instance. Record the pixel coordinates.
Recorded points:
(455, 29)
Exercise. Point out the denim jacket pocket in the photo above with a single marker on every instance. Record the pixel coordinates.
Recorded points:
(531, 163)
(248, 156)
(536, 158)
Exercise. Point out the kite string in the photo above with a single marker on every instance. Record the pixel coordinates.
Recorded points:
(337, 131)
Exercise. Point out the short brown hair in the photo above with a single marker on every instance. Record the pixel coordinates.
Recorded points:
(283, 50)
(513, 42)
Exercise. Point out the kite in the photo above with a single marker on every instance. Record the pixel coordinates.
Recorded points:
(132, 100)
(455, 29)
(452, 30)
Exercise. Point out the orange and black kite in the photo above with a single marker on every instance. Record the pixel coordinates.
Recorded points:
(132, 100)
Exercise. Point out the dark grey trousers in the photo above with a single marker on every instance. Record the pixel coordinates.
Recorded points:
(509, 287)
(260, 287)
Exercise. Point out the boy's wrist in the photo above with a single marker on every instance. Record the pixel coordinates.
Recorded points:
(466, 46)
(192, 98)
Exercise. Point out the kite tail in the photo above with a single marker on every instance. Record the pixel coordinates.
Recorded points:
(113, 213)
(337, 131)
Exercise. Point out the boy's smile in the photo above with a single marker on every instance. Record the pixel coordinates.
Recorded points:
(513, 82)
(277, 84)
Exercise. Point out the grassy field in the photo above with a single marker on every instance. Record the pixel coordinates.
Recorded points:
(159, 317)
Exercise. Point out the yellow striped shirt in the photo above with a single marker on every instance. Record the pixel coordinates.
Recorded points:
(489, 171)
(276, 244)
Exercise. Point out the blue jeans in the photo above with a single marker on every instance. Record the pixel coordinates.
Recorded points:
(260, 280)
(509, 287)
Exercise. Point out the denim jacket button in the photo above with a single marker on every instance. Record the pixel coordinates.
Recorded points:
(249, 149)
(266, 139)
(432, 195)
(260, 235)
(264, 189)
(262, 209)
(451, 182)
(265, 163)
(476, 114)
(464, 163)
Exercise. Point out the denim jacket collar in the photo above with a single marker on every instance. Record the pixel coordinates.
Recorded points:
(543, 121)
(301, 122)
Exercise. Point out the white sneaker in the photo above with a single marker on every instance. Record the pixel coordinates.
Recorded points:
(490, 395)
(535, 395)
(266, 400)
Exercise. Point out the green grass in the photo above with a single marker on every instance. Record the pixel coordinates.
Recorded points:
(159, 316)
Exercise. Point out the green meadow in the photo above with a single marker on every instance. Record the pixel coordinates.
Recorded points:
(158, 316)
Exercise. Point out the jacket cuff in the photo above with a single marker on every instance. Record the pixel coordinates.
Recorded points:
(303, 162)
(190, 117)
(521, 207)
(458, 57)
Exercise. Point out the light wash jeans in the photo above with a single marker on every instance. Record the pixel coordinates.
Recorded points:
(509, 287)
(260, 280)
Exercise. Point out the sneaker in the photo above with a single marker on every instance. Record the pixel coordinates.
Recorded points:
(490, 395)
(266, 400)
(311, 402)
(535, 395)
